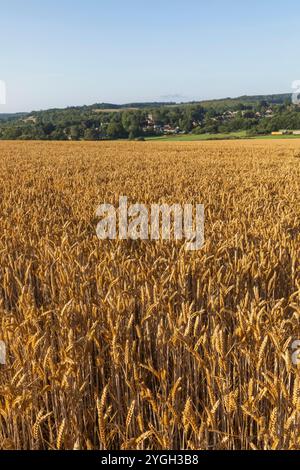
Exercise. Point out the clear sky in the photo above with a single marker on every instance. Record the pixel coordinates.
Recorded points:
(56, 53)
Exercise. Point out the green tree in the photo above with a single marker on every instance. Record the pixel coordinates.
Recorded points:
(115, 130)
(90, 134)
(75, 132)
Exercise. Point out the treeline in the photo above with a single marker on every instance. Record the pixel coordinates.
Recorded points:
(87, 124)
(137, 121)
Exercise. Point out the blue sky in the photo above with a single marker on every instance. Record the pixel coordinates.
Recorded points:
(56, 53)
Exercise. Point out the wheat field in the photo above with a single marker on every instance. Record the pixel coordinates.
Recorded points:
(141, 344)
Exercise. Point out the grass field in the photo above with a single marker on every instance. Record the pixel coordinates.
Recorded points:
(231, 135)
(141, 344)
(196, 137)
(278, 137)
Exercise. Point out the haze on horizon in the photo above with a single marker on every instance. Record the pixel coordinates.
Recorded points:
(70, 53)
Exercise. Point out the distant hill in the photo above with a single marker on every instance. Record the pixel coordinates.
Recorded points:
(107, 107)
(258, 114)
(248, 100)
(9, 116)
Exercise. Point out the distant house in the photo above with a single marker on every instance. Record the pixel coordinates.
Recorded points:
(269, 113)
(157, 128)
(228, 115)
(296, 132)
(150, 120)
(170, 130)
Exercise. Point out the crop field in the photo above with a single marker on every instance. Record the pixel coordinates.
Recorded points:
(124, 344)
